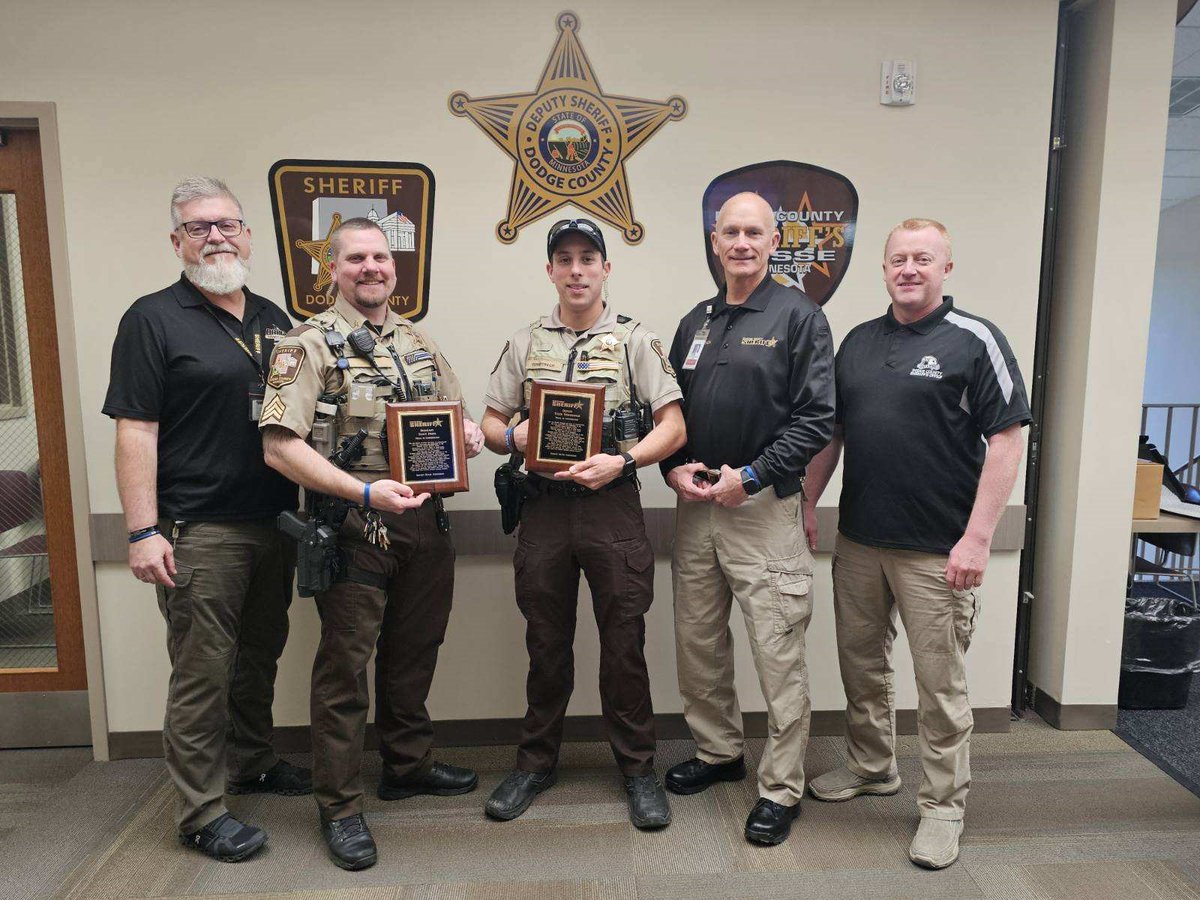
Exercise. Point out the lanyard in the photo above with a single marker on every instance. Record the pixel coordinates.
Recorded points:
(256, 356)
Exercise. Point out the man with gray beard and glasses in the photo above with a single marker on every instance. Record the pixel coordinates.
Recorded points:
(200, 504)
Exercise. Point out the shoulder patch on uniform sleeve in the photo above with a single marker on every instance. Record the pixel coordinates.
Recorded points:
(273, 411)
(507, 344)
(662, 357)
(285, 366)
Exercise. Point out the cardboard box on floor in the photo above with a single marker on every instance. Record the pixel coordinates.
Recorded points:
(1147, 490)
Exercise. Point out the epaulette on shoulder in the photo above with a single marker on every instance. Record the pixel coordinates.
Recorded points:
(301, 328)
(624, 320)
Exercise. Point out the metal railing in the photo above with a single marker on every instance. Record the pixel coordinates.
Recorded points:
(1174, 428)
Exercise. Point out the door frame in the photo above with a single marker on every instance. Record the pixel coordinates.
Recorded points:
(26, 705)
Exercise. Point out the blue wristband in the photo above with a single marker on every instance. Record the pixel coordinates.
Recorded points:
(749, 471)
(366, 495)
(142, 533)
(508, 440)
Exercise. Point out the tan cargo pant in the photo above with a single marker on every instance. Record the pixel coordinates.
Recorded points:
(870, 585)
(757, 555)
(227, 623)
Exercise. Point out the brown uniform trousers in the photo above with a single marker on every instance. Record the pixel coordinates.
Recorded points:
(604, 535)
(403, 611)
(227, 623)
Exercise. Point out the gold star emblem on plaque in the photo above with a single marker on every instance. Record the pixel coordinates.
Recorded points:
(568, 139)
(319, 250)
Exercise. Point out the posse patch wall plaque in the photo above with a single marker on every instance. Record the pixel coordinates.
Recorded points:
(310, 198)
(568, 139)
(816, 211)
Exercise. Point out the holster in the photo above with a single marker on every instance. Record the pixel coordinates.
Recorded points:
(511, 492)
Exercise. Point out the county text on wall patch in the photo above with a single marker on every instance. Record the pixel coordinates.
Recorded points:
(568, 139)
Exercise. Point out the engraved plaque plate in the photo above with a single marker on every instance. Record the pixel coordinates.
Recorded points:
(426, 446)
(565, 419)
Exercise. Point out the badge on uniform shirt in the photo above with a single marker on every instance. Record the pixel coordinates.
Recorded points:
(608, 340)
(285, 366)
(274, 334)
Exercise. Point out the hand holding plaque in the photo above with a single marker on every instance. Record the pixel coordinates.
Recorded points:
(565, 421)
(426, 446)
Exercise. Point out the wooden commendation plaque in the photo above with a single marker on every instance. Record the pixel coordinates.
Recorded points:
(565, 420)
(426, 446)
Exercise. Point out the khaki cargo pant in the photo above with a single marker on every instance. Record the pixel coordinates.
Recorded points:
(870, 585)
(227, 623)
(756, 554)
(401, 616)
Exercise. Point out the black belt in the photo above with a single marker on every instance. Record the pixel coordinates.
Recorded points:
(572, 489)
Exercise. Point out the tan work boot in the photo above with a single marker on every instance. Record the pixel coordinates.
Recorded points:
(935, 844)
(842, 784)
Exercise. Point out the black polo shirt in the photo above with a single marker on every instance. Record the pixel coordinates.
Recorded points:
(917, 403)
(175, 361)
(762, 391)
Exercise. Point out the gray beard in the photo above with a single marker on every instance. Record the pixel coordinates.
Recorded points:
(219, 277)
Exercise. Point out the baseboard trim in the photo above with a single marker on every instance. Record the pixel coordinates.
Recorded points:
(493, 732)
(1074, 716)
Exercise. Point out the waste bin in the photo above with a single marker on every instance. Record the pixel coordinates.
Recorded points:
(1160, 651)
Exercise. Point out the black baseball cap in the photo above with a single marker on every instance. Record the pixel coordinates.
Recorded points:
(583, 227)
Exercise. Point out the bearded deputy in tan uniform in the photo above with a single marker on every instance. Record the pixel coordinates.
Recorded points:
(590, 517)
(396, 584)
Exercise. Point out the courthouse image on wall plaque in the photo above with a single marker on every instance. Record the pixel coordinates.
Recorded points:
(426, 447)
(565, 420)
(568, 139)
(310, 198)
(816, 211)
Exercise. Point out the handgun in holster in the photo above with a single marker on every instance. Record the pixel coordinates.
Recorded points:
(318, 559)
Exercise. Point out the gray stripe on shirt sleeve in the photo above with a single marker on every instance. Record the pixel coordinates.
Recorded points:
(999, 366)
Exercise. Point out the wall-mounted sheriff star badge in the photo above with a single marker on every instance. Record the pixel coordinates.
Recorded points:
(568, 139)
(320, 251)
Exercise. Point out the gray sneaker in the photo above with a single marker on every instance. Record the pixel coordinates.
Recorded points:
(935, 845)
(842, 784)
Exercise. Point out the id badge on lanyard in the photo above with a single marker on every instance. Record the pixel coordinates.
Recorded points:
(698, 341)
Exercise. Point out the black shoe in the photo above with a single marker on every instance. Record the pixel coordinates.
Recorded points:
(439, 779)
(648, 807)
(514, 794)
(282, 778)
(769, 822)
(350, 843)
(695, 775)
(226, 839)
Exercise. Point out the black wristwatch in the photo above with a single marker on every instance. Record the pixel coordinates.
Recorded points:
(750, 482)
(630, 465)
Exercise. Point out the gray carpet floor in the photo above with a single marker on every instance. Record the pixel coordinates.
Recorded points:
(1051, 815)
(1169, 737)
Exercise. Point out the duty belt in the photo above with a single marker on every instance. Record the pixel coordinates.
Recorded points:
(542, 485)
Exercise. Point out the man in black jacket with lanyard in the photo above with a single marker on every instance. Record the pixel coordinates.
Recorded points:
(756, 367)
(200, 504)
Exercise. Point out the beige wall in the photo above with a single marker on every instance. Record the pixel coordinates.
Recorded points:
(146, 94)
(1119, 75)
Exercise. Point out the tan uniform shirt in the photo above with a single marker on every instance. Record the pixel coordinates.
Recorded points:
(303, 367)
(652, 374)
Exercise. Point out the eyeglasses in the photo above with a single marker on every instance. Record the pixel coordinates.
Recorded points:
(200, 229)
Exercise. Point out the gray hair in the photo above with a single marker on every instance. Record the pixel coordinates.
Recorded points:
(199, 187)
